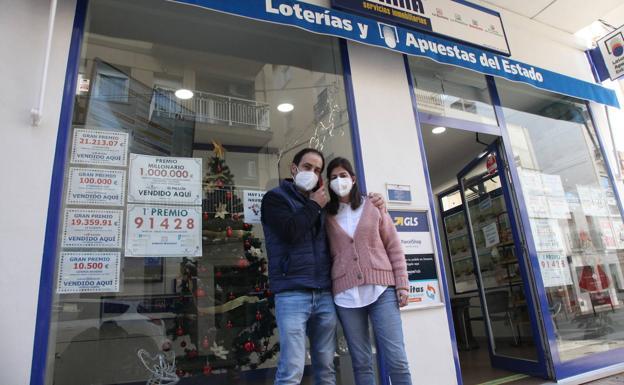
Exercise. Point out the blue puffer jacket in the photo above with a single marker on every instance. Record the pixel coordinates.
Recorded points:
(295, 239)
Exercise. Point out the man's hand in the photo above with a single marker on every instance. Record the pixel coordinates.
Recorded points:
(402, 297)
(378, 201)
(320, 195)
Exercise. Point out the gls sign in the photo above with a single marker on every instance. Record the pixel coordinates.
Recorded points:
(409, 221)
(406, 221)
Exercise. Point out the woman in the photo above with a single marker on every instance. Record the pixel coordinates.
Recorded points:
(369, 276)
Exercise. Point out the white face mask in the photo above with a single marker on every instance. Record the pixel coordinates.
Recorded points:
(341, 186)
(306, 180)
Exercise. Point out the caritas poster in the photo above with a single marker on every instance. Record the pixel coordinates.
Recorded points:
(423, 279)
(252, 199)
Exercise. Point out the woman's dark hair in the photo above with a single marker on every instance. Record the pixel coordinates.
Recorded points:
(356, 197)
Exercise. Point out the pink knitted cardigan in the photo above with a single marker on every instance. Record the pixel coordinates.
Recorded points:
(373, 256)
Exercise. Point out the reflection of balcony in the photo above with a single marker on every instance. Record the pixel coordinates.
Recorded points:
(210, 108)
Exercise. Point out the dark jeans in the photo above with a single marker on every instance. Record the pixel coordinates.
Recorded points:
(386, 321)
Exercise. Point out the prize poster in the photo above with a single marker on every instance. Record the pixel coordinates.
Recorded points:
(163, 231)
(167, 180)
(96, 187)
(103, 148)
(555, 269)
(252, 200)
(92, 228)
(88, 272)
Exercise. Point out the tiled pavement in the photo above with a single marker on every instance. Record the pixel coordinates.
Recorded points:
(615, 380)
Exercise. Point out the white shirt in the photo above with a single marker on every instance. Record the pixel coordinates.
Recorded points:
(362, 295)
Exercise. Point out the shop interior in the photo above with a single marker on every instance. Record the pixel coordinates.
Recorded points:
(449, 151)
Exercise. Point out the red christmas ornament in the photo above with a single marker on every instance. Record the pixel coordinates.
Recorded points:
(246, 226)
(249, 346)
(192, 354)
(235, 217)
(267, 293)
(229, 324)
(179, 331)
(247, 245)
(218, 274)
(180, 373)
(207, 369)
(200, 293)
(257, 288)
(205, 215)
(219, 183)
(228, 231)
(183, 344)
(228, 195)
(258, 315)
(231, 296)
(205, 343)
(242, 263)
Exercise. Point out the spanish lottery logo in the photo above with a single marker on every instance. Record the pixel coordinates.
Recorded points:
(615, 45)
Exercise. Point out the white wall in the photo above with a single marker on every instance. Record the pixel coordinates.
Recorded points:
(27, 155)
(391, 155)
(540, 45)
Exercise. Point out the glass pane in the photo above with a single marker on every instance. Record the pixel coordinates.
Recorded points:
(451, 91)
(183, 118)
(507, 313)
(575, 221)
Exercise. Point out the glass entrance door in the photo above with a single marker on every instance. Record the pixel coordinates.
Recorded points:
(508, 311)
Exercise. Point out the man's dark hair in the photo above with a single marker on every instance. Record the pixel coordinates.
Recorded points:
(300, 154)
(355, 195)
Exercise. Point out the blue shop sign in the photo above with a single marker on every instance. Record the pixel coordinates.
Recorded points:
(340, 24)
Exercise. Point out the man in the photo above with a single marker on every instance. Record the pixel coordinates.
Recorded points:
(299, 270)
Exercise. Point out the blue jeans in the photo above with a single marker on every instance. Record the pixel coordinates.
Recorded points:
(301, 312)
(386, 320)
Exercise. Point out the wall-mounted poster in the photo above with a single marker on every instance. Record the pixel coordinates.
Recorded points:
(96, 187)
(92, 228)
(423, 279)
(88, 272)
(163, 231)
(252, 201)
(413, 229)
(168, 180)
(103, 148)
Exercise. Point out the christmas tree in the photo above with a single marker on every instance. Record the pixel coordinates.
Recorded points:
(225, 319)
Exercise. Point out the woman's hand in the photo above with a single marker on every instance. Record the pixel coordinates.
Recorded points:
(402, 297)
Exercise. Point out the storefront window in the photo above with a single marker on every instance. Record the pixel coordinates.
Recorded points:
(451, 92)
(575, 221)
(182, 119)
